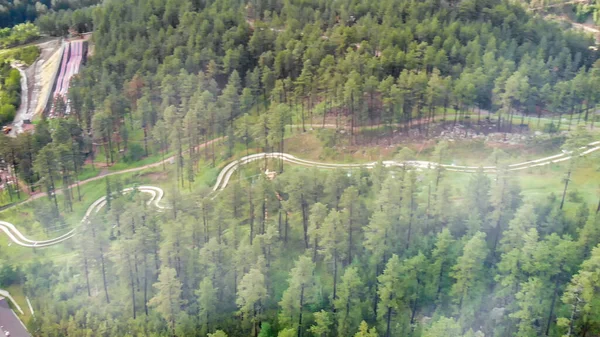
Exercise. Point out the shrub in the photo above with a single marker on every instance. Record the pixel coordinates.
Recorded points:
(134, 153)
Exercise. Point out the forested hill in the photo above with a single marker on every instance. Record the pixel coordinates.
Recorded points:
(364, 253)
(415, 56)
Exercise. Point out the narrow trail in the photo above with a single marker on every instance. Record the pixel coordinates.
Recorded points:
(5, 293)
(105, 174)
(226, 173)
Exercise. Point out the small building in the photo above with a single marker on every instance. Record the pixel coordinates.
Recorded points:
(10, 324)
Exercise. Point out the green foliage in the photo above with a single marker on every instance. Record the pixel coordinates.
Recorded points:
(25, 55)
(10, 91)
(58, 23)
(322, 326)
(266, 330)
(9, 275)
(17, 35)
(364, 331)
(167, 300)
(14, 13)
(311, 252)
(444, 327)
(134, 153)
(287, 333)
(218, 333)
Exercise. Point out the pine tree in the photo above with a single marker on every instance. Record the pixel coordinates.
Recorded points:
(168, 300)
(318, 213)
(352, 216)
(364, 331)
(390, 293)
(298, 294)
(251, 295)
(469, 273)
(207, 301)
(45, 165)
(442, 259)
(218, 333)
(444, 327)
(323, 322)
(333, 245)
(348, 306)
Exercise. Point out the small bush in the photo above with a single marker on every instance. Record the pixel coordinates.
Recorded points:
(7, 113)
(550, 128)
(9, 275)
(134, 153)
(575, 196)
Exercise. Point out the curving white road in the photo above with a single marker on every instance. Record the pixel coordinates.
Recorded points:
(156, 193)
(225, 174)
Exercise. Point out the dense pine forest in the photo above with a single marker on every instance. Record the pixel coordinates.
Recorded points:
(14, 12)
(381, 252)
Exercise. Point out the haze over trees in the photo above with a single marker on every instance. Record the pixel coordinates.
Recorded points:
(232, 264)
(313, 253)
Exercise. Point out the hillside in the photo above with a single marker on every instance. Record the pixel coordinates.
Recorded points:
(312, 168)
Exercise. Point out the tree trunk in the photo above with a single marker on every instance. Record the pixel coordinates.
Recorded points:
(562, 202)
(376, 297)
(287, 227)
(112, 160)
(87, 275)
(414, 311)
(350, 224)
(335, 267)
(104, 275)
(251, 214)
(145, 285)
(304, 220)
(145, 141)
(554, 295)
(303, 130)
(300, 315)
(410, 220)
(132, 284)
(389, 321)
(439, 285)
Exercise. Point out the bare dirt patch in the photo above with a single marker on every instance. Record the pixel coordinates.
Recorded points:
(37, 81)
(156, 176)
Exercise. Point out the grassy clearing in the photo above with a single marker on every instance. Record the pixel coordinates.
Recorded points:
(5, 198)
(151, 159)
